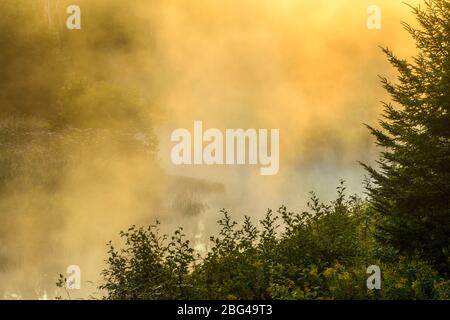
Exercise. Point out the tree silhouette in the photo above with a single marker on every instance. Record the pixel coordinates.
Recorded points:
(411, 190)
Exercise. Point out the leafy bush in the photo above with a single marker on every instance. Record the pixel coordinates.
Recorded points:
(318, 254)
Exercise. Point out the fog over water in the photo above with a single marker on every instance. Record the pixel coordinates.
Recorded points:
(307, 67)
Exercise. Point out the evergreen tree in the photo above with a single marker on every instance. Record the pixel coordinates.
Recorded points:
(411, 189)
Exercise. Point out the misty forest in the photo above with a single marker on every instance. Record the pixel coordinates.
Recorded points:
(85, 117)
